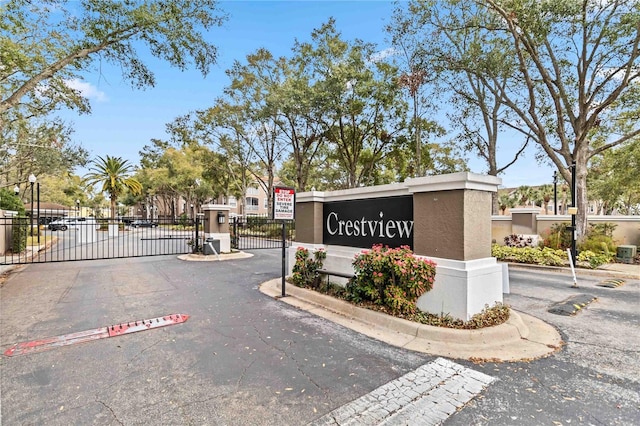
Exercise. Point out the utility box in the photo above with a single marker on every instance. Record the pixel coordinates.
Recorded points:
(211, 246)
(626, 254)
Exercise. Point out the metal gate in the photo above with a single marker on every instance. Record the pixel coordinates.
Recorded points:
(256, 232)
(70, 239)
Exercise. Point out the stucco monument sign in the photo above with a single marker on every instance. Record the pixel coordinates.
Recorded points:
(444, 218)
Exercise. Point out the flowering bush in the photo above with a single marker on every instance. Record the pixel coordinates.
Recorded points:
(393, 278)
(305, 270)
(521, 240)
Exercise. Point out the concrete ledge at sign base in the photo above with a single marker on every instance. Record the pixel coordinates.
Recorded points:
(522, 337)
(198, 257)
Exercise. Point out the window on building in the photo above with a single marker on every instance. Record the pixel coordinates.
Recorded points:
(232, 201)
(252, 190)
(252, 203)
(266, 203)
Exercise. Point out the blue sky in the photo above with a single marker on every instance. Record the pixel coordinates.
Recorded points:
(124, 119)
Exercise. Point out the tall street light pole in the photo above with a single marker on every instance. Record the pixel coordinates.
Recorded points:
(38, 198)
(32, 180)
(573, 212)
(555, 192)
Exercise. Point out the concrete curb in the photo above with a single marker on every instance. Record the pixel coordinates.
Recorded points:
(602, 272)
(523, 337)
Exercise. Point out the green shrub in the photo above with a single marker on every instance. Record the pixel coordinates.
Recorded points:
(548, 256)
(488, 317)
(598, 243)
(594, 259)
(557, 237)
(393, 278)
(305, 270)
(19, 234)
(533, 255)
(605, 229)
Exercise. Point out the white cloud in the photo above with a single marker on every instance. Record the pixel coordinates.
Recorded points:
(87, 90)
(383, 54)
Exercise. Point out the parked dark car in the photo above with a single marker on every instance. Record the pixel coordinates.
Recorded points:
(73, 223)
(143, 224)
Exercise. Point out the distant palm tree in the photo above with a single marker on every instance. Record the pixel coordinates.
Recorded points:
(113, 174)
(546, 194)
(524, 194)
(506, 200)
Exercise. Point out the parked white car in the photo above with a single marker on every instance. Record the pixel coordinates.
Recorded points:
(74, 222)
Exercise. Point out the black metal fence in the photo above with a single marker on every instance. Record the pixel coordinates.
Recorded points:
(72, 239)
(256, 232)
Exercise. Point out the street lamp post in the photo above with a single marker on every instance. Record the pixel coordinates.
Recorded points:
(574, 212)
(555, 192)
(38, 204)
(77, 208)
(32, 180)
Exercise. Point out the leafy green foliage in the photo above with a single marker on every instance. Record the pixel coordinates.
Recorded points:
(594, 259)
(488, 317)
(557, 237)
(10, 201)
(547, 256)
(525, 54)
(533, 255)
(393, 278)
(305, 270)
(45, 46)
(598, 246)
(112, 174)
(19, 234)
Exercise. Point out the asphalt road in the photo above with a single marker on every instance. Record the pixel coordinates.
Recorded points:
(244, 358)
(593, 380)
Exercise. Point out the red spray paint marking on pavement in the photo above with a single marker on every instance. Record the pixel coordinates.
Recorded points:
(41, 345)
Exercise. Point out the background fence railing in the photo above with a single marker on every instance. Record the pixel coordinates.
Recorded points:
(73, 239)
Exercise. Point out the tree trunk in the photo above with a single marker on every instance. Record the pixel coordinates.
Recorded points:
(113, 209)
(582, 201)
(495, 203)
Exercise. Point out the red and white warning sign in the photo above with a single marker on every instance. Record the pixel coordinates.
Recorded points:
(284, 203)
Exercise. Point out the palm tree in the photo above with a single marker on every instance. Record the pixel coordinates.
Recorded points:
(113, 174)
(524, 194)
(546, 194)
(506, 200)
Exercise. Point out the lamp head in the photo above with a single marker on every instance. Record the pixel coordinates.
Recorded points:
(32, 178)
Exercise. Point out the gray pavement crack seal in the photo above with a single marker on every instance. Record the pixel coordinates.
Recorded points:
(423, 397)
(115, 417)
(243, 373)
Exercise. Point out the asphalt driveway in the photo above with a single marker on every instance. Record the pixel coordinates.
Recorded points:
(241, 358)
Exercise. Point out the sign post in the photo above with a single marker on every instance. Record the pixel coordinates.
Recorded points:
(284, 204)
